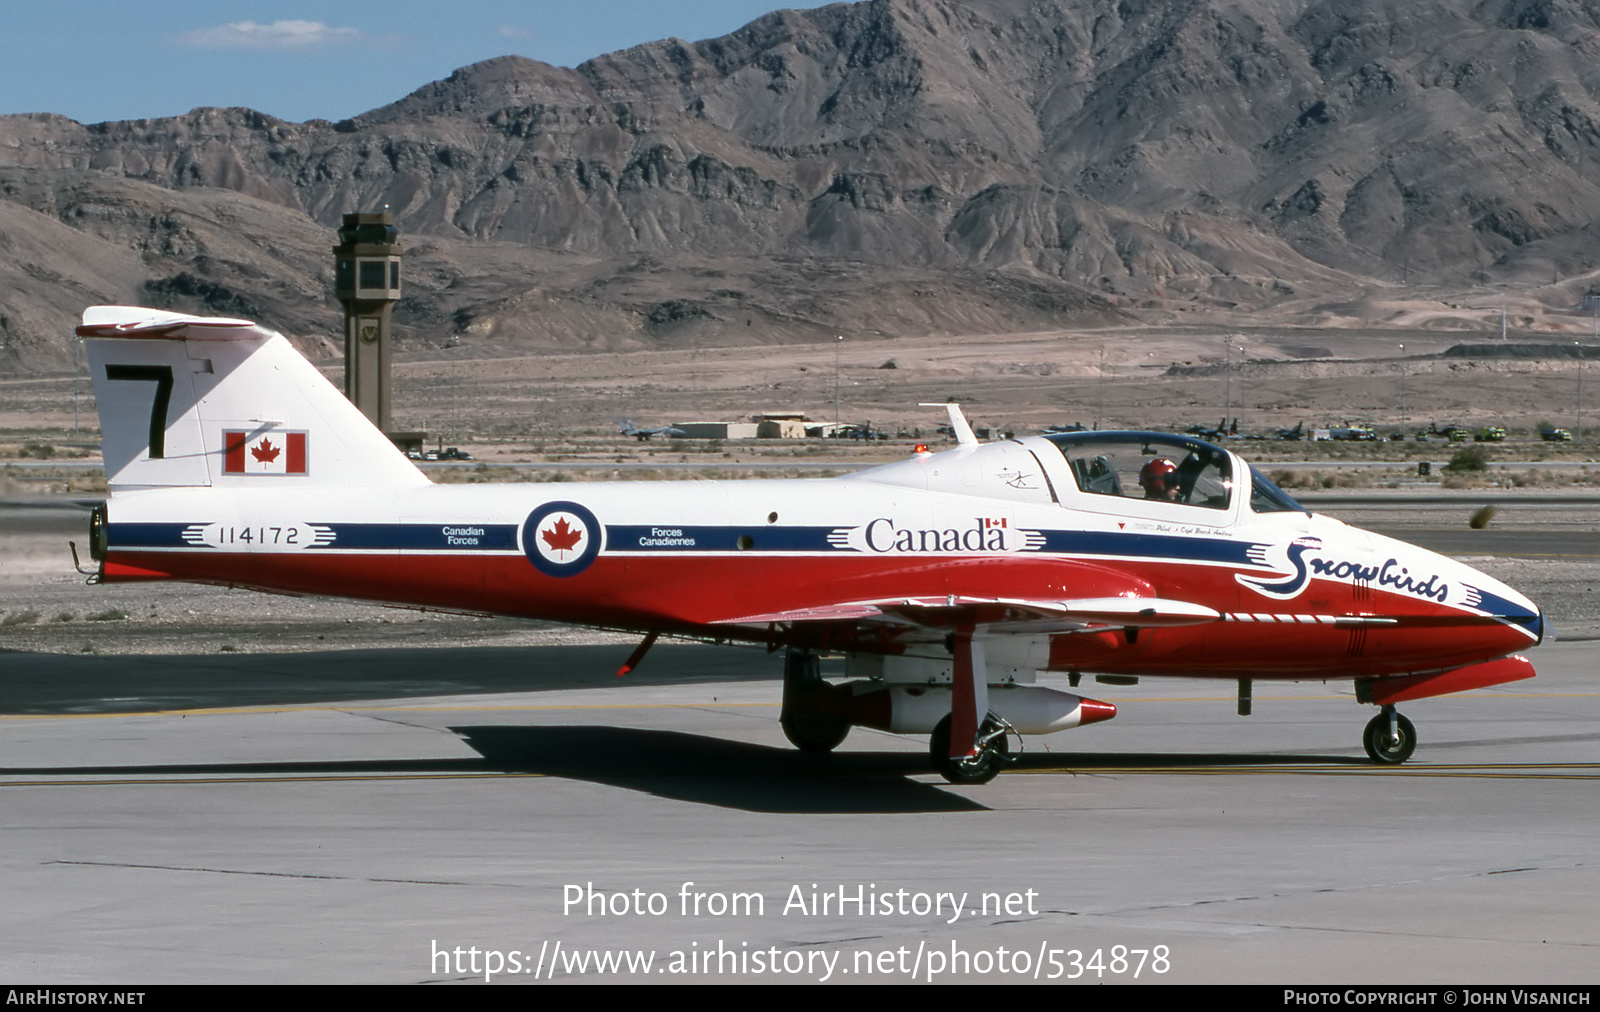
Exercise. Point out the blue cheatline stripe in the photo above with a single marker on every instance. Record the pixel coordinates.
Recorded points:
(450, 537)
(150, 536)
(667, 538)
(1149, 546)
(1516, 614)
(671, 538)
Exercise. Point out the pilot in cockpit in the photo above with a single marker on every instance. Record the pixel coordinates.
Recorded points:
(1159, 479)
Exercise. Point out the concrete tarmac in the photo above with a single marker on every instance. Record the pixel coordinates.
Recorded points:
(223, 819)
(358, 815)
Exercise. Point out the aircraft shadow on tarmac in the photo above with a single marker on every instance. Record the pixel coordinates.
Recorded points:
(688, 767)
(714, 771)
(668, 764)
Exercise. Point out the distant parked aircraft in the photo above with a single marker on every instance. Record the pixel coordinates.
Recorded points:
(630, 429)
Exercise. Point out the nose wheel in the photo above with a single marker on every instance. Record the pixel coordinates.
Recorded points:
(1390, 739)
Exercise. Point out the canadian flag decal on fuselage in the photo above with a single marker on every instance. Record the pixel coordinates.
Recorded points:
(271, 452)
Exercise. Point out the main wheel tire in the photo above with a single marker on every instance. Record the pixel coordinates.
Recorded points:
(978, 769)
(1383, 751)
(813, 732)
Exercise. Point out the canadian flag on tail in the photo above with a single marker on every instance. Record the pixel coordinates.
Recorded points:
(270, 452)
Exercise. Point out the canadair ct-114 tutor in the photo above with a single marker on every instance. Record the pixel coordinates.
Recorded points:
(947, 580)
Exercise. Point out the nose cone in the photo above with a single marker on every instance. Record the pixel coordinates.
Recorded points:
(1485, 594)
(1429, 577)
(1515, 610)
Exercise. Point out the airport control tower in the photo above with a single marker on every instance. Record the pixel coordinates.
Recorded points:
(367, 283)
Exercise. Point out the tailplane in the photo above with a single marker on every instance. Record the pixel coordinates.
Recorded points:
(205, 401)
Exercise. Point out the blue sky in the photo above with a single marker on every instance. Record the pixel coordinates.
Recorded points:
(96, 60)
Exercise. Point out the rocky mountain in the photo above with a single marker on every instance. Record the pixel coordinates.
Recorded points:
(892, 166)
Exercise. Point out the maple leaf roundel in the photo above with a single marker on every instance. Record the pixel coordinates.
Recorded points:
(561, 538)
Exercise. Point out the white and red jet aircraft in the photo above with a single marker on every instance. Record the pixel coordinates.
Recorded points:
(948, 580)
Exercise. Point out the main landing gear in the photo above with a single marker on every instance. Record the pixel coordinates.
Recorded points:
(815, 720)
(1390, 739)
(994, 753)
(804, 722)
(970, 728)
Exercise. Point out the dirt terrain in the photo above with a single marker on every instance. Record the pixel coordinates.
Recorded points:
(553, 418)
(1267, 378)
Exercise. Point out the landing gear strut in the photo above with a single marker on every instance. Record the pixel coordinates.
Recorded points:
(806, 726)
(994, 752)
(1390, 739)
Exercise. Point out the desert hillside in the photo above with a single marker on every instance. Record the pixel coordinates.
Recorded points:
(894, 167)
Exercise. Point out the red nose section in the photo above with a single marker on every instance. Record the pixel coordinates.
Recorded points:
(1092, 711)
(1388, 691)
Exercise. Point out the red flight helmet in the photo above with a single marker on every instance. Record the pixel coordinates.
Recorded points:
(1158, 476)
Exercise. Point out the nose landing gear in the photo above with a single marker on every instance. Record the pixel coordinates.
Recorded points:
(1390, 739)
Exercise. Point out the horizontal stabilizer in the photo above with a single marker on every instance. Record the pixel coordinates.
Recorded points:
(136, 321)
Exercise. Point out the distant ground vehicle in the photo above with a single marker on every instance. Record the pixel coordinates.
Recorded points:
(1454, 433)
(1350, 433)
(1551, 435)
(1490, 434)
(448, 453)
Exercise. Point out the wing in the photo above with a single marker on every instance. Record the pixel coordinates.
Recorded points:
(998, 613)
(956, 618)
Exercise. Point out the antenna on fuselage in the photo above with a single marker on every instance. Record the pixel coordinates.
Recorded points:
(958, 422)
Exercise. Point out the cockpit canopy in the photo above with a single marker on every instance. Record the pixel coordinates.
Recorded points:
(1107, 468)
(1144, 465)
(1163, 467)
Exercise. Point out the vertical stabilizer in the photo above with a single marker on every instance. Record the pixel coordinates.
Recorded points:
(203, 401)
